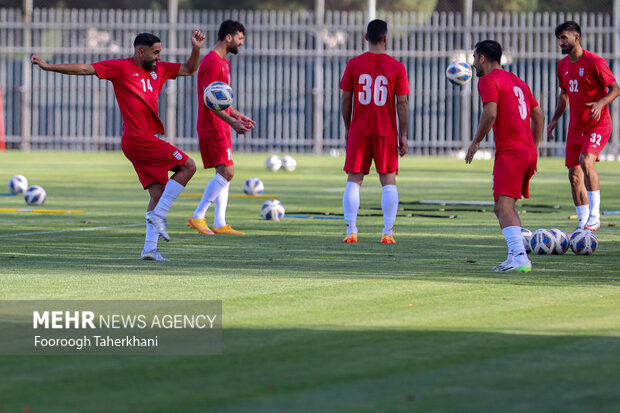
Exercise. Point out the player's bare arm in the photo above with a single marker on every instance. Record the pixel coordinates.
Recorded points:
(65, 69)
(240, 116)
(487, 119)
(191, 66)
(597, 107)
(559, 110)
(538, 124)
(238, 125)
(402, 110)
(346, 104)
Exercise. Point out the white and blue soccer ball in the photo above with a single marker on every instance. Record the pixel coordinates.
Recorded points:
(18, 184)
(273, 163)
(562, 241)
(583, 242)
(288, 163)
(35, 195)
(253, 186)
(218, 96)
(459, 73)
(527, 235)
(272, 210)
(542, 242)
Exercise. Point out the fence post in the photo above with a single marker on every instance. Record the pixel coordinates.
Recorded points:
(466, 91)
(171, 87)
(26, 89)
(615, 108)
(317, 90)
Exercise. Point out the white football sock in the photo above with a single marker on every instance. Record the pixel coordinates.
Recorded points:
(514, 240)
(221, 202)
(389, 205)
(171, 192)
(594, 199)
(212, 190)
(151, 237)
(350, 206)
(583, 212)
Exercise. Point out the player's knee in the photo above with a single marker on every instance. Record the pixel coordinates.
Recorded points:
(190, 167)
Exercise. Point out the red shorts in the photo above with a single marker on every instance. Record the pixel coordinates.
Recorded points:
(152, 158)
(215, 149)
(512, 172)
(361, 152)
(592, 141)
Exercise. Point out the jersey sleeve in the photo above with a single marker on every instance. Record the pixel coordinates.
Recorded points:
(487, 89)
(604, 72)
(346, 83)
(532, 99)
(402, 82)
(170, 70)
(108, 69)
(558, 73)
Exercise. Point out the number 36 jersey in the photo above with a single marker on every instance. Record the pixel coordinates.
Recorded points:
(585, 81)
(512, 130)
(375, 79)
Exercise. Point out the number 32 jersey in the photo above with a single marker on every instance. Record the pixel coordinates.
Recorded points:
(375, 80)
(512, 130)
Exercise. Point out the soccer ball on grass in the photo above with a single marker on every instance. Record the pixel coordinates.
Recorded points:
(253, 186)
(583, 242)
(272, 210)
(35, 195)
(542, 242)
(18, 184)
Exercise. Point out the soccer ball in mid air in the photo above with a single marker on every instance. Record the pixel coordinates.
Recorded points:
(35, 195)
(218, 96)
(272, 210)
(18, 184)
(583, 242)
(459, 73)
(527, 235)
(253, 186)
(273, 163)
(562, 242)
(288, 163)
(542, 242)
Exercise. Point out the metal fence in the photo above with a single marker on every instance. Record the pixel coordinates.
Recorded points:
(286, 77)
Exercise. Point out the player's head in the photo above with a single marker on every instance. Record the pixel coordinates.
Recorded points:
(147, 49)
(232, 33)
(487, 56)
(376, 31)
(569, 34)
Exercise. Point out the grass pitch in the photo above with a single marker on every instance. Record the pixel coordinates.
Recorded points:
(311, 324)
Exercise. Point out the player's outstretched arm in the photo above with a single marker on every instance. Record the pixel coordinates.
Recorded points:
(559, 110)
(402, 109)
(238, 125)
(189, 68)
(487, 119)
(538, 124)
(65, 69)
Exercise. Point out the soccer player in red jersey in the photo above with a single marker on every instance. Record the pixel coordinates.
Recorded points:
(214, 134)
(588, 86)
(374, 89)
(518, 124)
(137, 82)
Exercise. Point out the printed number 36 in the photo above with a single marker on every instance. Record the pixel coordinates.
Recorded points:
(380, 93)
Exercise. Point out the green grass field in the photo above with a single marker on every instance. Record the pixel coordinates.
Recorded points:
(311, 324)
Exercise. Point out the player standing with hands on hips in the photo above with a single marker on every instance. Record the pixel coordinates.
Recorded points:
(518, 125)
(137, 82)
(374, 89)
(584, 78)
(214, 135)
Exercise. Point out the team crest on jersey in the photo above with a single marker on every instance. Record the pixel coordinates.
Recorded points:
(581, 71)
(153, 75)
(177, 155)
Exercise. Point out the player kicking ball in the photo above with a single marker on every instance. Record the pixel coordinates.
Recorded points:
(517, 121)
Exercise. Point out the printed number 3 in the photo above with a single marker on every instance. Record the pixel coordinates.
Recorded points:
(522, 105)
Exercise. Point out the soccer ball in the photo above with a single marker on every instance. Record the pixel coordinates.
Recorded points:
(526, 234)
(18, 184)
(35, 195)
(253, 186)
(289, 163)
(562, 242)
(272, 210)
(459, 73)
(218, 96)
(273, 163)
(542, 242)
(583, 242)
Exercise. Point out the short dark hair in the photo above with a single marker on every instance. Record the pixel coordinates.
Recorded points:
(490, 49)
(146, 39)
(376, 30)
(231, 27)
(568, 26)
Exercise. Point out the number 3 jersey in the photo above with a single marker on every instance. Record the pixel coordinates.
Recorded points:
(511, 130)
(585, 81)
(137, 91)
(375, 80)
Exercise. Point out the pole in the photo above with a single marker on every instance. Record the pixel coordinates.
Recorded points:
(171, 88)
(372, 10)
(26, 89)
(317, 91)
(2, 137)
(615, 108)
(466, 91)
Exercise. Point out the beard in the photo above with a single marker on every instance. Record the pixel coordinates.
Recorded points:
(233, 49)
(567, 49)
(151, 65)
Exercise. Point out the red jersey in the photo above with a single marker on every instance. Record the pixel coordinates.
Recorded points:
(375, 80)
(137, 91)
(512, 129)
(585, 81)
(213, 68)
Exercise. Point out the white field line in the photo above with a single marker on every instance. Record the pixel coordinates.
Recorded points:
(23, 234)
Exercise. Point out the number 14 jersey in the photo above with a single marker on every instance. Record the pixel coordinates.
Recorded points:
(375, 80)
